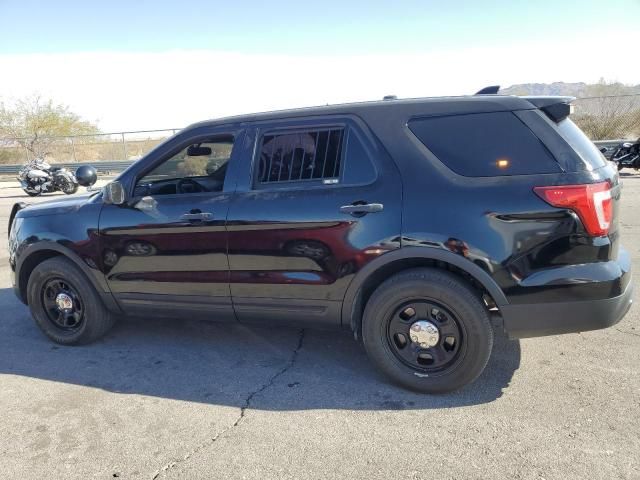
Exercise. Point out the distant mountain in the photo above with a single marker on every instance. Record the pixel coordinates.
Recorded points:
(579, 89)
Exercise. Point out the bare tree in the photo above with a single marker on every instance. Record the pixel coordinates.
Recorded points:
(608, 112)
(35, 124)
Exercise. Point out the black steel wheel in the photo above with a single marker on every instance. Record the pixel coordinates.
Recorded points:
(424, 335)
(64, 303)
(428, 330)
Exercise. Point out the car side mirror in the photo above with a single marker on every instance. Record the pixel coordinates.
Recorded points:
(114, 193)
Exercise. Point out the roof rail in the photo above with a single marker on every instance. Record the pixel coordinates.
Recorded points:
(492, 90)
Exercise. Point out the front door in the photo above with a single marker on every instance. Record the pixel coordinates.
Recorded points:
(323, 199)
(165, 254)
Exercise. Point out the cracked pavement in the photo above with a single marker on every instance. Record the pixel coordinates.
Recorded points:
(185, 399)
(243, 410)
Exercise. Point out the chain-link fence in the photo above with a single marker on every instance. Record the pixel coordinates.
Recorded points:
(88, 148)
(601, 118)
(608, 118)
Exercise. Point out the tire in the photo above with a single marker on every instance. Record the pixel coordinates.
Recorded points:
(68, 187)
(620, 167)
(465, 335)
(32, 194)
(90, 319)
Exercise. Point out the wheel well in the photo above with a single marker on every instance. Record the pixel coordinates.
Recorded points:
(380, 275)
(31, 262)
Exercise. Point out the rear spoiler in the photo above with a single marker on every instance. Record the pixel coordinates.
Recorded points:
(556, 108)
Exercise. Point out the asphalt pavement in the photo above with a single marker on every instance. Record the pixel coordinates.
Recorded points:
(187, 399)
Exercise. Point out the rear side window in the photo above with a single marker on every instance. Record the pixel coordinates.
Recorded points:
(581, 144)
(485, 144)
(301, 156)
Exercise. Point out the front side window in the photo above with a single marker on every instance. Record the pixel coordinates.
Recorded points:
(200, 167)
(301, 156)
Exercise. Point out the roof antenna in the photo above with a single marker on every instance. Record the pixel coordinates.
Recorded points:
(492, 90)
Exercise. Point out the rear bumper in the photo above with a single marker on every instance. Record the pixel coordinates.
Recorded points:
(574, 298)
(536, 320)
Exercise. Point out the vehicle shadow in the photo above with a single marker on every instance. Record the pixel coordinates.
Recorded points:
(224, 364)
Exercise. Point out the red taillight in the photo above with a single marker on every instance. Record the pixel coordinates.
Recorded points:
(592, 203)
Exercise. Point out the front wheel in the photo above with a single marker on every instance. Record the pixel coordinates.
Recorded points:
(32, 194)
(427, 330)
(65, 305)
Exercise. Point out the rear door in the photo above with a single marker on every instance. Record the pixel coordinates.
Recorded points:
(320, 199)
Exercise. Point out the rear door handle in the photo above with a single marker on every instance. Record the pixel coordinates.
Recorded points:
(362, 209)
(197, 216)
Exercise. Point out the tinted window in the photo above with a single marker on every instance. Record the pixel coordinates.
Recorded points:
(301, 156)
(581, 144)
(485, 144)
(358, 165)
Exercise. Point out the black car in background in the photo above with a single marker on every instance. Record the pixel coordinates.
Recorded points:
(414, 223)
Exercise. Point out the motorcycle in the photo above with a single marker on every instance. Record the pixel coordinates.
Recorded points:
(627, 154)
(38, 177)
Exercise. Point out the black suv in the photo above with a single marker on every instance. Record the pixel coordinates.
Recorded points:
(418, 224)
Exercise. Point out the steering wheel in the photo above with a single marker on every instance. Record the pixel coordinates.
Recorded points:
(189, 185)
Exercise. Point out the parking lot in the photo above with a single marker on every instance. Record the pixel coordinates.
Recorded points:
(186, 399)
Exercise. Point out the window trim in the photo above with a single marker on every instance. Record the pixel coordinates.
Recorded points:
(261, 132)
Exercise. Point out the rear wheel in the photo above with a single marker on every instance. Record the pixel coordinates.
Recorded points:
(64, 304)
(427, 330)
(68, 186)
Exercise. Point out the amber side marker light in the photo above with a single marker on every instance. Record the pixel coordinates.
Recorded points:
(502, 163)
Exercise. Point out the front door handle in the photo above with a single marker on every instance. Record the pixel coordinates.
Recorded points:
(362, 209)
(198, 216)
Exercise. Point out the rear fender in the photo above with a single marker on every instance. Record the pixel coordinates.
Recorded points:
(352, 301)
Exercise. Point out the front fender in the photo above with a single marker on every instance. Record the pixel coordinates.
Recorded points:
(29, 251)
(30, 255)
(34, 238)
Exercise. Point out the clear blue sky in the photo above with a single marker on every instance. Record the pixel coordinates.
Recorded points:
(111, 60)
(289, 26)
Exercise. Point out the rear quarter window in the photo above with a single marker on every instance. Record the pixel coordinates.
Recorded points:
(581, 144)
(485, 144)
